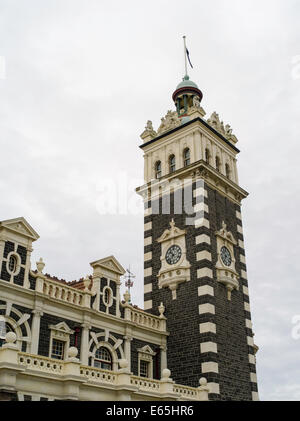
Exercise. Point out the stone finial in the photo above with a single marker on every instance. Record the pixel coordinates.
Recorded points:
(161, 309)
(10, 337)
(72, 352)
(166, 373)
(86, 282)
(123, 363)
(40, 265)
(127, 297)
(203, 381)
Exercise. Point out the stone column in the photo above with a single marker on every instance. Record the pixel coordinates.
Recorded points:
(84, 349)
(118, 300)
(2, 245)
(35, 331)
(27, 268)
(163, 358)
(127, 350)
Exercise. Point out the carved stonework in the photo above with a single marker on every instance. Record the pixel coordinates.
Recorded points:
(225, 266)
(169, 122)
(148, 132)
(215, 122)
(172, 273)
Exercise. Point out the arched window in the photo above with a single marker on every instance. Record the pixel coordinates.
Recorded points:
(172, 163)
(227, 170)
(186, 157)
(218, 163)
(103, 359)
(12, 264)
(207, 156)
(158, 169)
(4, 329)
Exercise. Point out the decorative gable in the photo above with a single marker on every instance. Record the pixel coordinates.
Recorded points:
(174, 232)
(21, 227)
(62, 329)
(109, 263)
(147, 350)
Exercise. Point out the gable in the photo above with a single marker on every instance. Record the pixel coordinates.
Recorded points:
(21, 227)
(110, 263)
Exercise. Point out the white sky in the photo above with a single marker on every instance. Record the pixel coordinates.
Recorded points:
(83, 77)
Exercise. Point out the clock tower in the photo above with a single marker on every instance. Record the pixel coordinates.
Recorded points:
(194, 255)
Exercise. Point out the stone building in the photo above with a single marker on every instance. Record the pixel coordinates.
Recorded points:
(193, 341)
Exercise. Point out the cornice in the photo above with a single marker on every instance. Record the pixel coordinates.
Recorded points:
(215, 132)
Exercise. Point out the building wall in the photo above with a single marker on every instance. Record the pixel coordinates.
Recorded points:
(210, 343)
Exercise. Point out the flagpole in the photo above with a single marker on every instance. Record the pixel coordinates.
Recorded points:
(185, 54)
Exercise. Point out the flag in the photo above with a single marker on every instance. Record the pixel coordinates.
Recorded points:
(188, 56)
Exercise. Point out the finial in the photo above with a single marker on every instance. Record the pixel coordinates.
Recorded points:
(127, 297)
(40, 265)
(172, 223)
(161, 310)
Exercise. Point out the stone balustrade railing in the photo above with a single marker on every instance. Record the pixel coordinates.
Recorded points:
(30, 367)
(98, 375)
(62, 292)
(145, 384)
(143, 319)
(40, 363)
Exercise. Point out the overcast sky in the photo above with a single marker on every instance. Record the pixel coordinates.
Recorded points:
(81, 79)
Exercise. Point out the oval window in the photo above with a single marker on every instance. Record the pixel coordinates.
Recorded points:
(12, 264)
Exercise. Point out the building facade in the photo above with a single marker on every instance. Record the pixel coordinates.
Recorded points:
(193, 340)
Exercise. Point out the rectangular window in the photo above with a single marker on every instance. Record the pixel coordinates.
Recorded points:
(144, 368)
(57, 349)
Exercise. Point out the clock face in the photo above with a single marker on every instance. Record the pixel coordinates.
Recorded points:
(226, 256)
(173, 255)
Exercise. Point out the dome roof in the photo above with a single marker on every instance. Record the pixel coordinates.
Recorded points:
(186, 83)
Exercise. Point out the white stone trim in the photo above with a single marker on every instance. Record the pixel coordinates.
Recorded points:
(203, 255)
(147, 288)
(248, 324)
(247, 306)
(147, 272)
(206, 290)
(200, 207)
(242, 259)
(255, 396)
(210, 367)
(253, 377)
(252, 359)
(207, 308)
(241, 244)
(200, 191)
(244, 274)
(238, 215)
(148, 304)
(148, 212)
(148, 256)
(203, 238)
(202, 222)
(245, 290)
(208, 327)
(240, 229)
(148, 226)
(250, 341)
(204, 272)
(208, 347)
(214, 388)
(147, 241)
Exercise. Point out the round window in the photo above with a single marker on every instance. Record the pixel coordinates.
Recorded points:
(107, 296)
(12, 264)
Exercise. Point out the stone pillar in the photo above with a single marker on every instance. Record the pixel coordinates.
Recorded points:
(2, 245)
(84, 349)
(203, 390)
(35, 331)
(27, 268)
(127, 350)
(118, 314)
(163, 358)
